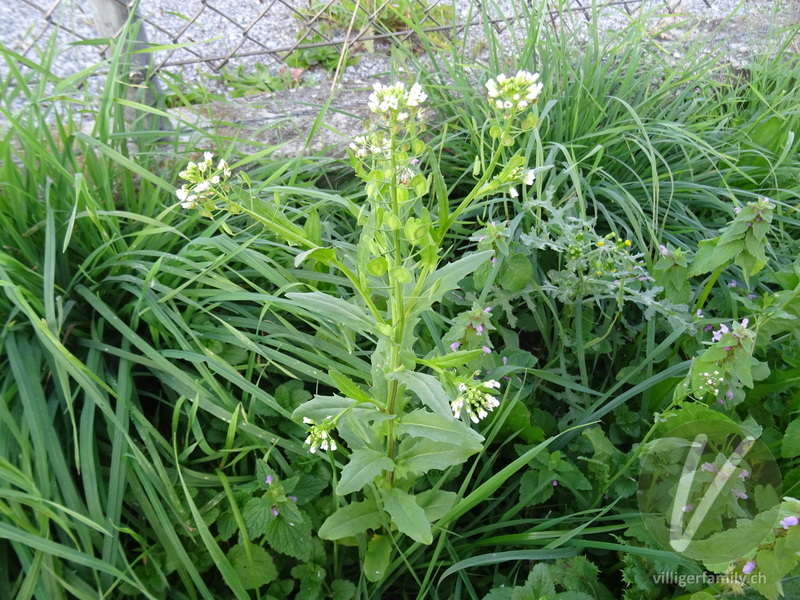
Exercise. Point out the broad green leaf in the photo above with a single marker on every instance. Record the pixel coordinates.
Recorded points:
(427, 388)
(424, 424)
(351, 520)
(257, 513)
(290, 535)
(407, 515)
(335, 310)
(452, 359)
(541, 582)
(342, 589)
(364, 465)
(323, 255)
(378, 556)
(436, 503)
(421, 455)
(711, 255)
(517, 273)
(790, 447)
(446, 278)
(348, 387)
(320, 407)
(254, 570)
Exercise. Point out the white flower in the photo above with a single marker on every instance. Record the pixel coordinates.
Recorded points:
(416, 95)
(513, 192)
(202, 187)
(182, 193)
(528, 177)
(517, 92)
(208, 157)
(492, 384)
(191, 201)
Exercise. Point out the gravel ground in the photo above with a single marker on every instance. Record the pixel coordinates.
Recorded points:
(215, 27)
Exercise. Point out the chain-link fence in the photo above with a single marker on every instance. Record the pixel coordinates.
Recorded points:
(216, 33)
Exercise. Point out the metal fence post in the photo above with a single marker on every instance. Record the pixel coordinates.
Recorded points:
(110, 17)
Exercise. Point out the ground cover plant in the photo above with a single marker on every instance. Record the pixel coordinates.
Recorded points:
(444, 368)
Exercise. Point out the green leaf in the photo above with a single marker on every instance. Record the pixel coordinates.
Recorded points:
(256, 573)
(452, 359)
(257, 513)
(407, 515)
(342, 589)
(320, 407)
(517, 273)
(427, 388)
(421, 455)
(541, 582)
(790, 447)
(312, 577)
(535, 487)
(290, 537)
(348, 387)
(335, 310)
(364, 465)
(711, 255)
(323, 255)
(377, 558)
(424, 424)
(436, 503)
(446, 278)
(351, 520)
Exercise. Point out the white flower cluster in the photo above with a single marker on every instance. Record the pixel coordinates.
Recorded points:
(514, 93)
(319, 434)
(476, 399)
(375, 144)
(395, 100)
(201, 177)
(525, 176)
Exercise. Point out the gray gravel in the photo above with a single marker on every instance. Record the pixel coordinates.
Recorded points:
(215, 28)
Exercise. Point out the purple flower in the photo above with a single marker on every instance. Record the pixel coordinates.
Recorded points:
(494, 260)
(275, 511)
(488, 309)
(748, 567)
(479, 328)
(555, 482)
(269, 479)
(729, 394)
(454, 346)
(718, 334)
(745, 321)
(688, 507)
(751, 296)
(708, 467)
(708, 327)
(505, 360)
(744, 474)
(292, 498)
(486, 349)
(727, 348)
(739, 495)
(699, 312)
(664, 251)
(733, 283)
(737, 209)
(790, 521)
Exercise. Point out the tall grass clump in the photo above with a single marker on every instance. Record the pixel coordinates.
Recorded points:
(440, 377)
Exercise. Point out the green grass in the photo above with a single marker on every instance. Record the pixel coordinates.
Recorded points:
(145, 353)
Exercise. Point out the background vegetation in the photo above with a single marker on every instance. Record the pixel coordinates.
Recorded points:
(151, 360)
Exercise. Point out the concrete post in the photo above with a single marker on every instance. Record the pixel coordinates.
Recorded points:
(110, 17)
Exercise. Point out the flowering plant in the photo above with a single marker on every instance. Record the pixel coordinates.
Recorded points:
(411, 415)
